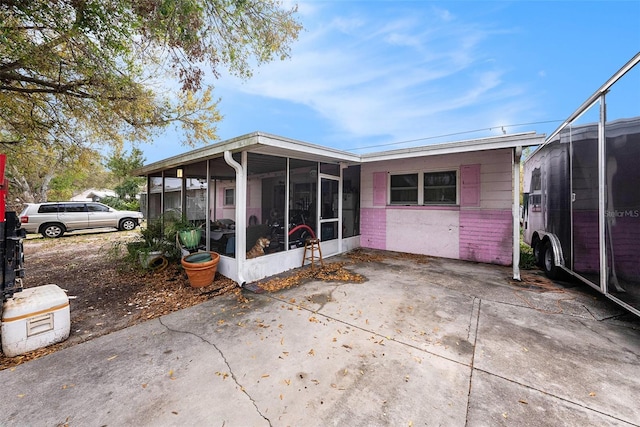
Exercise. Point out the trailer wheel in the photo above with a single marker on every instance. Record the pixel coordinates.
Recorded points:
(538, 253)
(551, 270)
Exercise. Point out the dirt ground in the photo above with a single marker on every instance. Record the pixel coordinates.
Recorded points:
(105, 295)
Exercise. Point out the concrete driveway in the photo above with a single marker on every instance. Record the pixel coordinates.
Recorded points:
(443, 343)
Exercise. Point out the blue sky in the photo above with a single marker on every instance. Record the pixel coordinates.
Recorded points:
(368, 75)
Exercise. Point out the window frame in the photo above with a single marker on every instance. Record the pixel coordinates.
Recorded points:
(456, 200)
(233, 196)
(390, 200)
(421, 193)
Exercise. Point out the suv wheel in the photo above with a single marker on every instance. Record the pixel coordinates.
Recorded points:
(52, 230)
(127, 224)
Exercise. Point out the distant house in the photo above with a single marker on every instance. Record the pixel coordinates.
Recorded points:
(93, 195)
(453, 200)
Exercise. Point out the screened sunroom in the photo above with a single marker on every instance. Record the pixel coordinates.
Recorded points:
(260, 185)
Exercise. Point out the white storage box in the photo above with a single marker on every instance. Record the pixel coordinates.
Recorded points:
(35, 318)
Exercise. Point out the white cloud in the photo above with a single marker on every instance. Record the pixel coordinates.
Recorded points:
(443, 14)
(398, 75)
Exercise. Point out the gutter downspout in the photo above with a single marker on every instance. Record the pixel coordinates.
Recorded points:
(515, 210)
(241, 208)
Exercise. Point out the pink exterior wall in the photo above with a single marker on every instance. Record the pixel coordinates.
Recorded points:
(373, 228)
(470, 185)
(254, 199)
(486, 236)
(221, 211)
(478, 229)
(379, 188)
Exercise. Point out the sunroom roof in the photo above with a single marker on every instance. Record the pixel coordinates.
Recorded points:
(256, 142)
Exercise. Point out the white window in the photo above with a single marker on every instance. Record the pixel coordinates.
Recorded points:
(440, 188)
(425, 188)
(229, 196)
(404, 189)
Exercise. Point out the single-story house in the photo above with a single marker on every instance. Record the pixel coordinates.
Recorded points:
(456, 200)
(93, 195)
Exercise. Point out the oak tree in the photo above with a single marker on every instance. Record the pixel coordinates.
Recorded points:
(86, 73)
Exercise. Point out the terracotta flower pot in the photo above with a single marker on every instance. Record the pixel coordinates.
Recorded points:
(200, 273)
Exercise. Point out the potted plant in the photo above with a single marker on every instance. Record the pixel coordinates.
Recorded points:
(148, 257)
(153, 245)
(187, 233)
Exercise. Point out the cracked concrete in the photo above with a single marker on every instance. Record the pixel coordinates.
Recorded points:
(232, 375)
(446, 343)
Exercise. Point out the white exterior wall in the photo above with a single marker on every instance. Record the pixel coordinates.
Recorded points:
(496, 181)
(432, 232)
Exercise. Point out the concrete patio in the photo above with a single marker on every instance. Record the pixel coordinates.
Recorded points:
(439, 343)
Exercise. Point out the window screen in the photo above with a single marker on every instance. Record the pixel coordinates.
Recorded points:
(404, 188)
(440, 188)
(229, 197)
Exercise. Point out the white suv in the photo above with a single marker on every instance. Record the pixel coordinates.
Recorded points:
(53, 219)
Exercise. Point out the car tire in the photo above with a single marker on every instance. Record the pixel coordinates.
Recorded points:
(551, 270)
(127, 224)
(52, 230)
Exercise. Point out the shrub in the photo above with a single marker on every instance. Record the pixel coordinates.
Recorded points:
(527, 260)
(121, 204)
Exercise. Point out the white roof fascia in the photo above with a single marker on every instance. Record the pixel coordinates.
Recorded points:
(199, 154)
(492, 143)
(294, 148)
(255, 142)
(265, 143)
